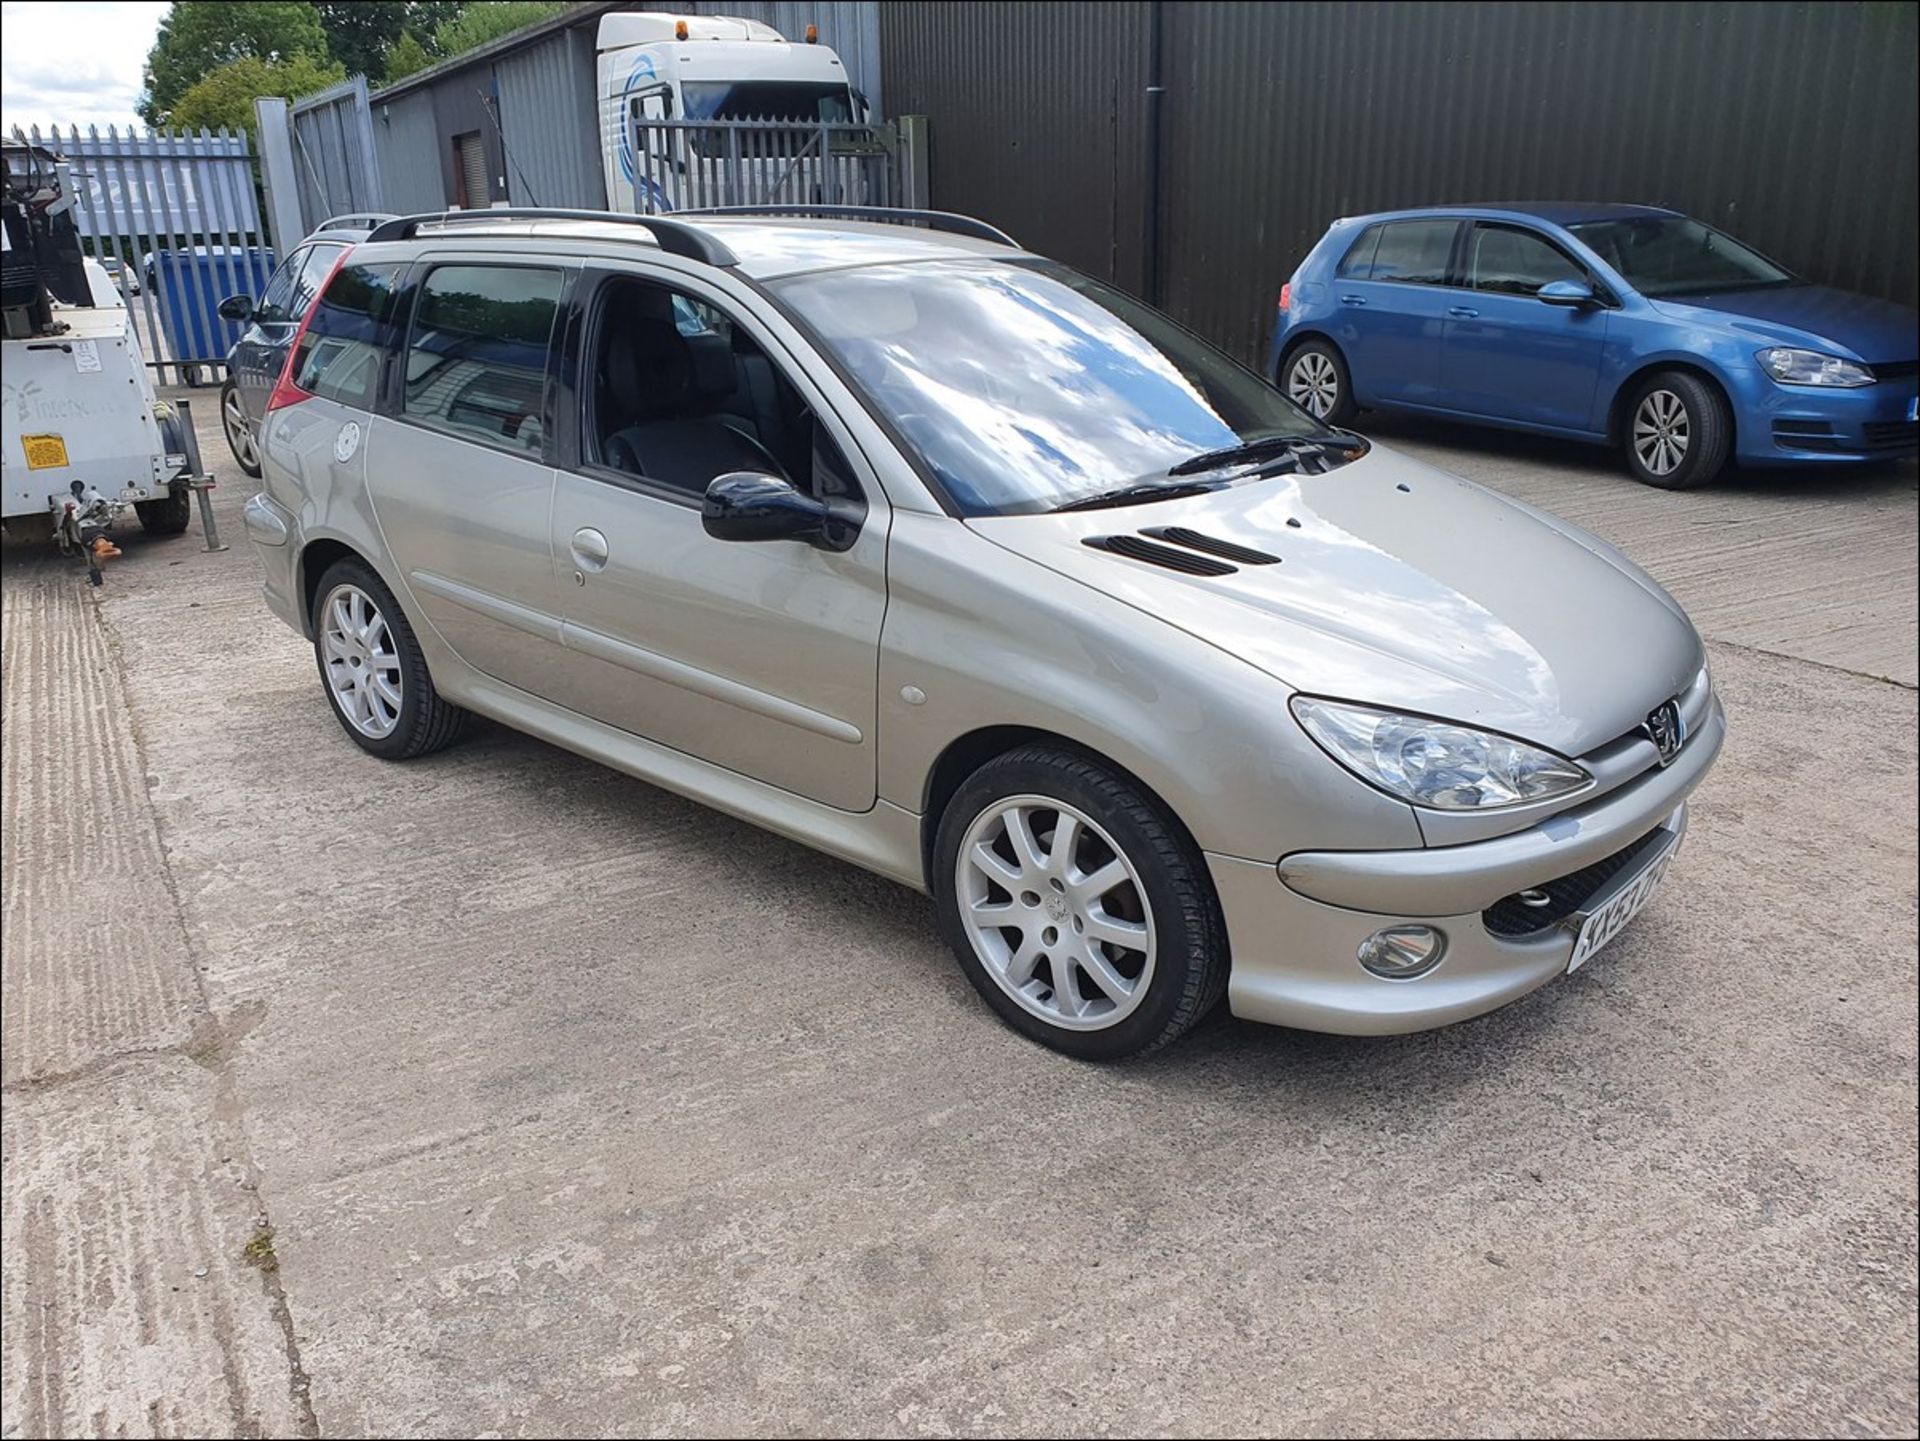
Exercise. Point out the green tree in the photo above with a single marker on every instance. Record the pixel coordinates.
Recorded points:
(485, 20)
(226, 96)
(406, 56)
(200, 36)
(362, 34)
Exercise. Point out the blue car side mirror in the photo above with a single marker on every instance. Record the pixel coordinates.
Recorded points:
(1573, 293)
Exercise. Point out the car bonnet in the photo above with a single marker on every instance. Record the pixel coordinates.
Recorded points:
(1393, 584)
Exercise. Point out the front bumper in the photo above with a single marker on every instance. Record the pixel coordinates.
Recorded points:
(1793, 424)
(1296, 930)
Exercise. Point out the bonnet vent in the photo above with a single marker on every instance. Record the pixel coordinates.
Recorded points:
(1133, 547)
(1212, 545)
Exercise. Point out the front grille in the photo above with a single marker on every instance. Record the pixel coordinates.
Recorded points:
(1512, 916)
(1901, 372)
(1890, 435)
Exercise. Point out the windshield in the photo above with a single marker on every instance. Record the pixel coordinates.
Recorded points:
(813, 100)
(1672, 255)
(1025, 387)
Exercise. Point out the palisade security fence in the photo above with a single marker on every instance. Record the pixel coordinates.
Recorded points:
(181, 213)
(692, 164)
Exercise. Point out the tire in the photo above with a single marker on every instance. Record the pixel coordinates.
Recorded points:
(386, 649)
(233, 417)
(166, 517)
(1672, 408)
(1314, 376)
(1163, 898)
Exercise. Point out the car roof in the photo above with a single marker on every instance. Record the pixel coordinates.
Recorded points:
(1553, 212)
(765, 247)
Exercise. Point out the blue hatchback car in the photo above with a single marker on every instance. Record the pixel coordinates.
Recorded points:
(1618, 324)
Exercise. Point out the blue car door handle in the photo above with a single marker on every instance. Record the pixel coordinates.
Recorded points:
(1463, 312)
(1353, 300)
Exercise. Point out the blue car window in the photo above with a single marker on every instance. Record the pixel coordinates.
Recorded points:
(1414, 252)
(1516, 262)
(1358, 262)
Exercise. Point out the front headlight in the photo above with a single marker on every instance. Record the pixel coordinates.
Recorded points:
(1431, 763)
(1810, 367)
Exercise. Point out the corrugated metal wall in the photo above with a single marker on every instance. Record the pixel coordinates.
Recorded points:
(407, 140)
(547, 114)
(333, 155)
(1035, 119)
(1792, 125)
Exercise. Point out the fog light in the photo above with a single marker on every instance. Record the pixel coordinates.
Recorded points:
(1399, 953)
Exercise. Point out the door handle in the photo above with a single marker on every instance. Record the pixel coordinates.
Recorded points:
(1353, 300)
(589, 548)
(1463, 312)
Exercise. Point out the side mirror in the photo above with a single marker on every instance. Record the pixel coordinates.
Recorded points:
(746, 505)
(237, 308)
(1573, 294)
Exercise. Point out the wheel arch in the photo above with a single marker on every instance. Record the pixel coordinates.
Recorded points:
(1623, 394)
(317, 557)
(965, 754)
(1297, 339)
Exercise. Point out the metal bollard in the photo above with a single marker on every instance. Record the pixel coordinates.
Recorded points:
(198, 481)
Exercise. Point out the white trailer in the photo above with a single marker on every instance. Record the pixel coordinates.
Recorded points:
(83, 438)
(658, 66)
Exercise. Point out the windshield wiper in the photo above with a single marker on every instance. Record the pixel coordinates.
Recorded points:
(1303, 445)
(1139, 494)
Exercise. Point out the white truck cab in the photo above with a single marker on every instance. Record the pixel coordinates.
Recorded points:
(658, 66)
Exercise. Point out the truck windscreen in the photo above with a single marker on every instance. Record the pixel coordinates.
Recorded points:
(805, 100)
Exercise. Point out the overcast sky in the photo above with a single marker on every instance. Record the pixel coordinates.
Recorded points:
(73, 64)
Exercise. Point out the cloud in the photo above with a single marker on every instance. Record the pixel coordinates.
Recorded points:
(74, 64)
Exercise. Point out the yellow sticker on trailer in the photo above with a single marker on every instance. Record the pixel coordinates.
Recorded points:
(44, 452)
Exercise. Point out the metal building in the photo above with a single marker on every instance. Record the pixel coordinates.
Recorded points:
(1193, 152)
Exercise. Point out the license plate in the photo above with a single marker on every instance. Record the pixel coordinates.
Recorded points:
(1610, 917)
(44, 452)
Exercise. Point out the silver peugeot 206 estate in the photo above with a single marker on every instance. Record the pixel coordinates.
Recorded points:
(957, 564)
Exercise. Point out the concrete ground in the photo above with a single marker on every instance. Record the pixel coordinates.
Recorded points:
(501, 1094)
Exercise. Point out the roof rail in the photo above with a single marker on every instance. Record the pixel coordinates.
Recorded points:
(672, 236)
(932, 219)
(356, 220)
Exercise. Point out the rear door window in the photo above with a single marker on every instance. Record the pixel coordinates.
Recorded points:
(352, 330)
(275, 301)
(1414, 252)
(477, 361)
(1516, 262)
(315, 267)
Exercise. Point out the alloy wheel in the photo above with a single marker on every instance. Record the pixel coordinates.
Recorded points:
(1056, 912)
(363, 670)
(1661, 432)
(239, 437)
(1313, 383)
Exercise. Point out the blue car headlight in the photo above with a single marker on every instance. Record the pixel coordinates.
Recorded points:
(1810, 367)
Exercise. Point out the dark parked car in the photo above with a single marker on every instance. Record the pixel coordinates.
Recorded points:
(271, 321)
(1617, 324)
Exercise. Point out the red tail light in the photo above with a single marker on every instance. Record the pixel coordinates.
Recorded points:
(1286, 295)
(285, 392)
